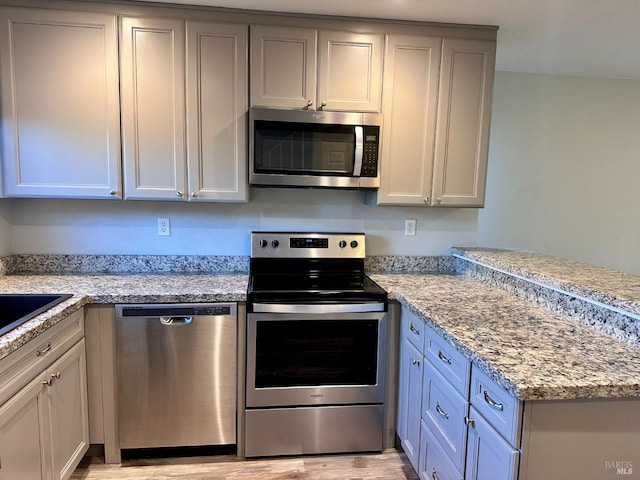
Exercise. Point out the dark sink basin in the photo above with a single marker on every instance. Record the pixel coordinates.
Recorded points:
(15, 309)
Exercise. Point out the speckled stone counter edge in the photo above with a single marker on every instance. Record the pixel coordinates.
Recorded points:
(64, 264)
(573, 288)
(609, 320)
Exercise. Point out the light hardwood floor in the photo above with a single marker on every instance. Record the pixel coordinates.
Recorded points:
(388, 465)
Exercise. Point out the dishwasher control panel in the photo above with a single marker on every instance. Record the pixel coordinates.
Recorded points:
(176, 310)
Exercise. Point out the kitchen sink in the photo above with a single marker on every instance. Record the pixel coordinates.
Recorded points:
(15, 309)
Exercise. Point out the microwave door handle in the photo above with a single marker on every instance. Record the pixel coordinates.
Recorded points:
(357, 160)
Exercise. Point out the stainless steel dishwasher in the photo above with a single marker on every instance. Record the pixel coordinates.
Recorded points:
(176, 367)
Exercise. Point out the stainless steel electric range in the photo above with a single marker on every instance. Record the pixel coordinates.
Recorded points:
(316, 346)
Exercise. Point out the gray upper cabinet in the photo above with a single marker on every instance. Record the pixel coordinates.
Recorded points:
(437, 107)
(304, 68)
(184, 139)
(217, 102)
(283, 66)
(153, 108)
(464, 114)
(409, 104)
(61, 125)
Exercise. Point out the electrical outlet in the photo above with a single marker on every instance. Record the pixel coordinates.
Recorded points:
(410, 227)
(164, 227)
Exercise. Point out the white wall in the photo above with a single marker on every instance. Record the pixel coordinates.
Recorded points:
(5, 228)
(130, 227)
(564, 169)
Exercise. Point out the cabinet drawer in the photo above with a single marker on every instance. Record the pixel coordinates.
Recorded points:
(17, 369)
(452, 364)
(444, 411)
(434, 462)
(413, 328)
(499, 407)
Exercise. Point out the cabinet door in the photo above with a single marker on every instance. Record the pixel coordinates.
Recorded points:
(464, 112)
(489, 456)
(60, 110)
(409, 105)
(350, 71)
(69, 417)
(216, 112)
(283, 66)
(153, 108)
(434, 462)
(22, 434)
(409, 400)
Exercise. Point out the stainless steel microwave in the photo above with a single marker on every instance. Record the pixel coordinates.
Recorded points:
(306, 148)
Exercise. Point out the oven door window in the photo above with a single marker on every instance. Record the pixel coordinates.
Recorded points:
(309, 353)
(304, 149)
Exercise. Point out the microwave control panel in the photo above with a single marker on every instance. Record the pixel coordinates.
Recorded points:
(370, 154)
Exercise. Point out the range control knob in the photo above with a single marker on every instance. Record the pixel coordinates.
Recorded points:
(342, 244)
(275, 243)
(353, 244)
(262, 243)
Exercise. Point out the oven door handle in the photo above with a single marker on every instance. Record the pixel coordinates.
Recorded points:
(319, 307)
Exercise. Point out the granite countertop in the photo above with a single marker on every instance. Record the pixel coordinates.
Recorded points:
(136, 288)
(610, 287)
(536, 354)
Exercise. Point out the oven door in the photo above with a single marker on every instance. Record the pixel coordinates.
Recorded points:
(296, 359)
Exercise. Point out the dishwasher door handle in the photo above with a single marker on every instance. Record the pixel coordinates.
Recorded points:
(167, 321)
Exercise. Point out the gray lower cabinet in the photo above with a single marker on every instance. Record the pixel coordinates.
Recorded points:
(410, 387)
(489, 456)
(44, 430)
(465, 425)
(443, 433)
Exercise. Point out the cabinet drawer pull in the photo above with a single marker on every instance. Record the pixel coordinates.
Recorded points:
(442, 357)
(415, 361)
(492, 402)
(44, 351)
(434, 475)
(470, 421)
(414, 329)
(441, 411)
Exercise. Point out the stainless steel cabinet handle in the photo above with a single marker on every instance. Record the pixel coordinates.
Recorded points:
(113, 192)
(414, 329)
(49, 381)
(415, 361)
(308, 105)
(426, 200)
(441, 411)
(322, 105)
(442, 357)
(45, 350)
(179, 194)
(434, 475)
(194, 194)
(438, 200)
(470, 421)
(492, 402)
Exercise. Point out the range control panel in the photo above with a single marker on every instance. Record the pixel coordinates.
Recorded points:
(307, 245)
